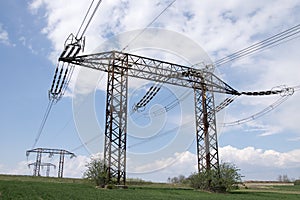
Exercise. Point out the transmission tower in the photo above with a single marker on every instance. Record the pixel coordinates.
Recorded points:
(119, 67)
(48, 165)
(38, 163)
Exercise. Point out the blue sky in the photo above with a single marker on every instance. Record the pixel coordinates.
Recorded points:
(32, 34)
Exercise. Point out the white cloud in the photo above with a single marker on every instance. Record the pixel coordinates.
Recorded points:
(253, 163)
(75, 167)
(263, 130)
(260, 158)
(4, 39)
(21, 168)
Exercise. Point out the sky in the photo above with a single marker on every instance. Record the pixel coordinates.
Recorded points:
(32, 36)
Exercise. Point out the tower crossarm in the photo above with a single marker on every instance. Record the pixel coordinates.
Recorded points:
(50, 151)
(153, 70)
(43, 164)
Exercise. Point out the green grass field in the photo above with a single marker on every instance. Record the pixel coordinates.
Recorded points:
(23, 187)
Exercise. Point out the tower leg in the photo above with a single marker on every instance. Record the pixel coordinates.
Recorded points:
(61, 165)
(37, 164)
(206, 131)
(115, 125)
(48, 171)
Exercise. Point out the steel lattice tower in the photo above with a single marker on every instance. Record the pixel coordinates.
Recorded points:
(119, 66)
(206, 132)
(38, 163)
(116, 122)
(48, 165)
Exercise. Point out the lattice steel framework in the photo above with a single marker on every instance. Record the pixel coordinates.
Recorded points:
(119, 66)
(61, 163)
(38, 163)
(206, 132)
(116, 121)
(48, 165)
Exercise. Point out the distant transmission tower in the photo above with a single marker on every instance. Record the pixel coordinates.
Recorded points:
(38, 163)
(48, 165)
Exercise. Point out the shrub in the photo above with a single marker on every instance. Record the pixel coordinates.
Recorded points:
(96, 171)
(297, 182)
(217, 181)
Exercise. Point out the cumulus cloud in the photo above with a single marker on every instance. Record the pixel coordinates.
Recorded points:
(260, 157)
(253, 163)
(4, 39)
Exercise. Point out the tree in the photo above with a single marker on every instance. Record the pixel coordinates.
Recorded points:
(178, 179)
(96, 171)
(214, 180)
(284, 178)
(280, 178)
(181, 179)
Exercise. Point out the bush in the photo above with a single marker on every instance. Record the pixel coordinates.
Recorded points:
(297, 182)
(217, 181)
(96, 172)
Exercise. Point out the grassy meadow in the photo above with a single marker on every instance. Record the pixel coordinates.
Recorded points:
(27, 187)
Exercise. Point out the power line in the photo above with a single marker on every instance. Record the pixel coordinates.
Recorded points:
(258, 114)
(168, 107)
(62, 74)
(90, 19)
(185, 125)
(84, 18)
(149, 94)
(144, 29)
(283, 91)
(50, 104)
(264, 44)
(87, 142)
(272, 41)
(78, 110)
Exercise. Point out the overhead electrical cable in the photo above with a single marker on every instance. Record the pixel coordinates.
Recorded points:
(144, 29)
(50, 104)
(258, 114)
(185, 125)
(90, 19)
(87, 142)
(62, 74)
(144, 103)
(168, 107)
(283, 91)
(272, 41)
(86, 15)
(78, 110)
(264, 44)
